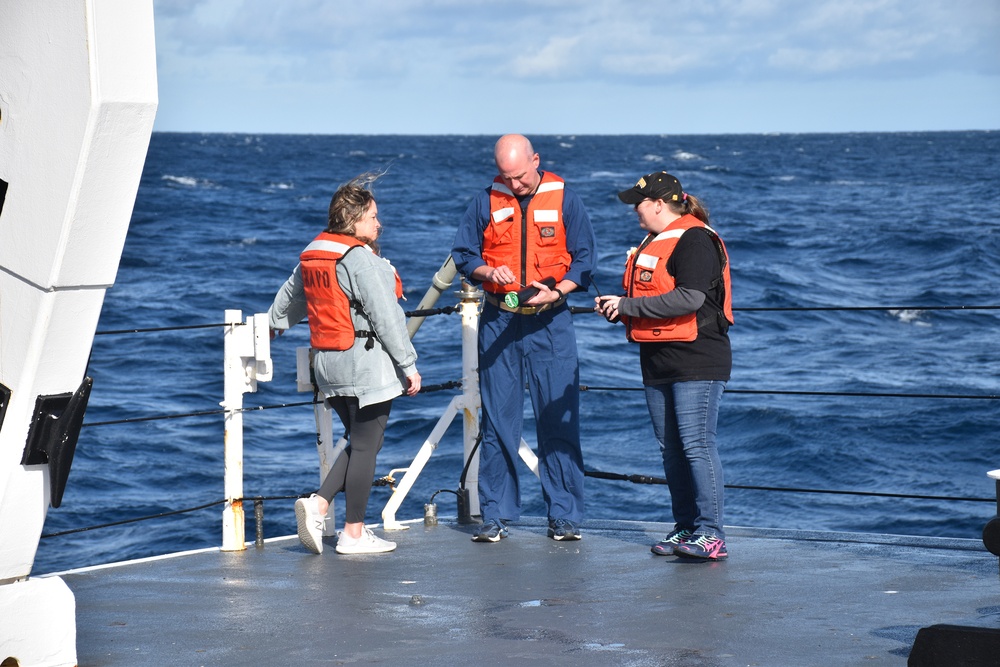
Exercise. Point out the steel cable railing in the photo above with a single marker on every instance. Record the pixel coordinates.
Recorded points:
(632, 478)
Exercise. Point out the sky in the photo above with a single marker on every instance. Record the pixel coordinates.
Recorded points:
(577, 66)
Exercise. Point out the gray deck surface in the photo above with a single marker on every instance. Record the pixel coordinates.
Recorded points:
(782, 599)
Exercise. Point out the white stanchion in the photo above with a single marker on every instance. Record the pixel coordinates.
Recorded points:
(247, 354)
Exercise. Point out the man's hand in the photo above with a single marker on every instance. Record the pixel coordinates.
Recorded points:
(544, 296)
(502, 275)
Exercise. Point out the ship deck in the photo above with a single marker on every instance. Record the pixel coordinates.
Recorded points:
(782, 598)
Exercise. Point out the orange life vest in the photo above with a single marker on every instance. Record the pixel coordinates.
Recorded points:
(534, 248)
(328, 308)
(646, 275)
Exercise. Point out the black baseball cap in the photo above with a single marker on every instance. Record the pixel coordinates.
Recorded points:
(658, 185)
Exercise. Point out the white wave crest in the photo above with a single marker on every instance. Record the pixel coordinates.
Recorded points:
(189, 181)
(909, 316)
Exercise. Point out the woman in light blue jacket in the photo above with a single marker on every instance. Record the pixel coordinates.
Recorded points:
(359, 383)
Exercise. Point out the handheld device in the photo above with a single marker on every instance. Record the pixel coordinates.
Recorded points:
(514, 299)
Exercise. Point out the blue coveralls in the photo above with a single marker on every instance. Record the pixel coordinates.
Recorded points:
(537, 350)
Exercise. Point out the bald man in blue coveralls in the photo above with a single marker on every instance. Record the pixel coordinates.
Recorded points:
(527, 226)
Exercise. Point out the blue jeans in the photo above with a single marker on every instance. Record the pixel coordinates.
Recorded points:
(685, 415)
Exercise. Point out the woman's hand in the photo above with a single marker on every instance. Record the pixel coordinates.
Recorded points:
(412, 384)
(608, 307)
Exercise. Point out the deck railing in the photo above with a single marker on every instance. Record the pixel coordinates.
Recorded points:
(247, 362)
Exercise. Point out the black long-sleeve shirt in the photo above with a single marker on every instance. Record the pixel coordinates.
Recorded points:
(695, 265)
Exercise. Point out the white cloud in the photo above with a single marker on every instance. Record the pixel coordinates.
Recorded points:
(440, 53)
(557, 58)
(563, 38)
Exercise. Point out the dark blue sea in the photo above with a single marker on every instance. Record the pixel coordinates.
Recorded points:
(821, 398)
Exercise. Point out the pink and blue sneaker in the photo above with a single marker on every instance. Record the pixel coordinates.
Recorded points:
(665, 547)
(706, 547)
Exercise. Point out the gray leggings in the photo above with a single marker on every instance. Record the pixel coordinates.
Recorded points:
(354, 469)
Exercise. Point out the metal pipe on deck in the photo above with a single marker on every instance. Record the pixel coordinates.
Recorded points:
(442, 280)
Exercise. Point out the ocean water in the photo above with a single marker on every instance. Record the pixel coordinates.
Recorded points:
(908, 222)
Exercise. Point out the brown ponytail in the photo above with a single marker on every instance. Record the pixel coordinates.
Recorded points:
(690, 205)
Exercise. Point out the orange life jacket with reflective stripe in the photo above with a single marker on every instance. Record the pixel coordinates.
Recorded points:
(646, 275)
(328, 308)
(533, 248)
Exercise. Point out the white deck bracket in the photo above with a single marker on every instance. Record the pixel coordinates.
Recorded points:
(247, 361)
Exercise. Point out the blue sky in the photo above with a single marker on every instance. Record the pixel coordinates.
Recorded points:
(577, 66)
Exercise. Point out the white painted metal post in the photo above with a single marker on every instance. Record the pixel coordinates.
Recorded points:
(233, 526)
(471, 400)
(247, 359)
(325, 447)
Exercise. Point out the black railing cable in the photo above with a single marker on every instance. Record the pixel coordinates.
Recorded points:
(802, 309)
(797, 309)
(781, 392)
(598, 474)
(158, 329)
(455, 384)
(646, 479)
(426, 389)
(160, 515)
(632, 478)
(382, 481)
(448, 310)
(133, 520)
(427, 312)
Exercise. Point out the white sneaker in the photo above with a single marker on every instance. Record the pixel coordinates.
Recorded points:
(310, 523)
(366, 544)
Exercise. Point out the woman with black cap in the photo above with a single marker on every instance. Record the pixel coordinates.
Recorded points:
(677, 306)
